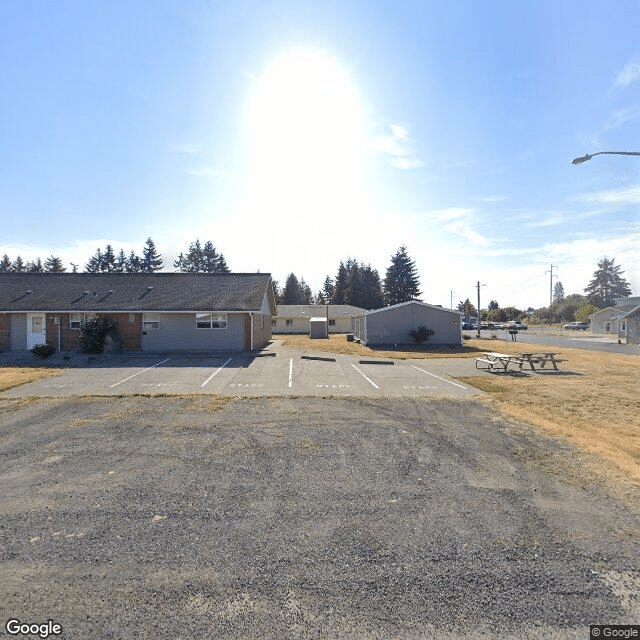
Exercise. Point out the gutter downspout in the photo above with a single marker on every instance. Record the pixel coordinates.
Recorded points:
(365, 328)
(251, 319)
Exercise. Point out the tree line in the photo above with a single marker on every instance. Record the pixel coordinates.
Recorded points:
(602, 290)
(357, 284)
(198, 259)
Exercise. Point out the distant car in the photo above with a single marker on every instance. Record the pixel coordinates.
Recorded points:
(467, 326)
(515, 325)
(576, 326)
(498, 325)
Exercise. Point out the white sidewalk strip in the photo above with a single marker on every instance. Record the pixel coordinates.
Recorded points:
(137, 374)
(290, 371)
(365, 377)
(455, 384)
(216, 372)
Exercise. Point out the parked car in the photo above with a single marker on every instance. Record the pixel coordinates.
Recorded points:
(498, 325)
(576, 326)
(520, 326)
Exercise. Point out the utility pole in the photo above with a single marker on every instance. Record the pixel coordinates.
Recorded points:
(478, 309)
(551, 289)
(452, 299)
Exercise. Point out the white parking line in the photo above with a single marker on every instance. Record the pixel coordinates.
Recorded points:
(455, 384)
(137, 374)
(290, 371)
(365, 377)
(216, 372)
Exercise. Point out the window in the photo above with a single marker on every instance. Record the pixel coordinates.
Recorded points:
(623, 325)
(150, 320)
(211, 321)
(75, 320)
(332, 323)
(289, 323)
(273, 323)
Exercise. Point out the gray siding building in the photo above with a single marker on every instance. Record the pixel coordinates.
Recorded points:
(390, 326)
(153, 311)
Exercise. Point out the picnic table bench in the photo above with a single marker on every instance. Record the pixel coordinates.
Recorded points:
(499, 361)
(541, 359)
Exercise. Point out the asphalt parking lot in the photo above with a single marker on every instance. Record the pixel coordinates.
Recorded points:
(275, 372)
(308, 518)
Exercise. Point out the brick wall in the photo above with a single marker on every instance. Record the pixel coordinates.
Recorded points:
(5, 332)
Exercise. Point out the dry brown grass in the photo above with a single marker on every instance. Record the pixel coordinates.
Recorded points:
(15, 376)
(593, 401)
(337, 343)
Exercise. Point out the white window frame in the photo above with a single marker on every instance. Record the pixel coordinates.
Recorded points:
(332, 322)
(150, 320)
(273, 323)
(77, 323)
(211, 321)
(289, 323)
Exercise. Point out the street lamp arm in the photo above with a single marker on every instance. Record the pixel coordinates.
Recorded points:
(588, 156)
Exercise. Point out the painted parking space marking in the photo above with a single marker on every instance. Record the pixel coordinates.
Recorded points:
(139, 372)
(365, 377)
(290, 371)
(455, 384)
(413, 386)
(246, 385)
(332, 386)
(216, 372)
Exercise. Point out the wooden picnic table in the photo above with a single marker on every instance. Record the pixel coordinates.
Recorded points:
(493, 360)
(540, 358)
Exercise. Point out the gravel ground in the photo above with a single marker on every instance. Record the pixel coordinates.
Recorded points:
(305, 518)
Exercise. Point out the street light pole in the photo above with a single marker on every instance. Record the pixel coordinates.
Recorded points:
(588, 156)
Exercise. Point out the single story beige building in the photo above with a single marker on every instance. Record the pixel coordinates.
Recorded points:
(295, 318)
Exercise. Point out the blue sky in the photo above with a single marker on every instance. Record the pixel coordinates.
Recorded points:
(297, 134)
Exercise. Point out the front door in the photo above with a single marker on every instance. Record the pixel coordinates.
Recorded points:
(247, 333)
(36, 330)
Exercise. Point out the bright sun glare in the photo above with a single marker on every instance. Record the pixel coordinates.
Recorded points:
(306, 135)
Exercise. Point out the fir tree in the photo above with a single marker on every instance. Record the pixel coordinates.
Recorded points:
(95, 262)
(327, 290)
(108, 260)
(401, 281)
(340, 286)
(5, 265)
(18, 265)
(607, 284)
(151, 259)
(558, 293)
(292, 292)
(133, 263)
(222, 265)
(35, 267)
(120, 264)
(210, 258)
(53, 265)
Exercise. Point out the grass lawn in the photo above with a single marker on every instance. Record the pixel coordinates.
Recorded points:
(15, 376)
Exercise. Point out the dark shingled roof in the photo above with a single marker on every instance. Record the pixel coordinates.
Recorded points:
(134, 291)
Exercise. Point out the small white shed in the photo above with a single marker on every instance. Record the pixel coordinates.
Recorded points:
(318, 328)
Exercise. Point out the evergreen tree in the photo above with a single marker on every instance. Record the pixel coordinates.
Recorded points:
(320, 299)
(151, 259)
(5, 265)
(18, 265)
(327, 290)
(120, 264)
(371, 288)
(210, 258)
(467, 308)
(35, 267)
(95, 262)
(607, 284)
(108, 260)
(74, 267)
(222, 265)
(305, 292)
(53, 265)
(493, 305)
(133, 263)
(276, 291)
(292, 292)
(340, 287)
(558, 293)
(401, 281)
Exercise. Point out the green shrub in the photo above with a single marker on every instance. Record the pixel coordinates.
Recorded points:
(93, 332)
(421, 334)
(43, 350)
